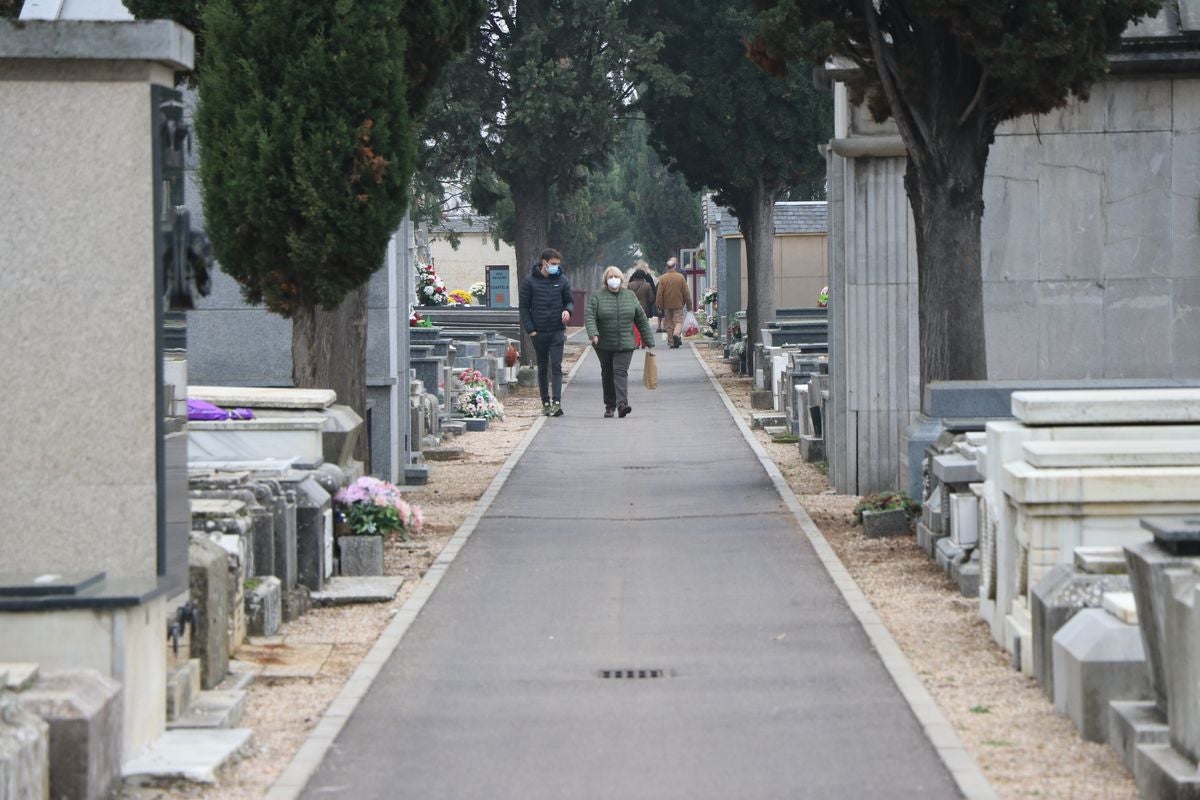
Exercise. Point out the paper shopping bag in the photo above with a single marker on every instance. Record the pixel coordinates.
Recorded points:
(650, 371)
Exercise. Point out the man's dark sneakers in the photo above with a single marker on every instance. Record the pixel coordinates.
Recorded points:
(546, 409)
(608, 412)
(555, 410)
(623, 410)
(678, 342)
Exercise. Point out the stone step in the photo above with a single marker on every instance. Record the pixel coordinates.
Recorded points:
(775, 430)
(454, 427)
(183, 686)
(212, 709)
(186, 754)
(241, 674)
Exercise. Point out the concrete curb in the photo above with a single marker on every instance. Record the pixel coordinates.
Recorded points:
(292, 781)
(941, 733)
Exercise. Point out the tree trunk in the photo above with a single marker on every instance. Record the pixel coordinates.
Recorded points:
(947, 201)
(329, 351)
(531, 199)
(758, 229)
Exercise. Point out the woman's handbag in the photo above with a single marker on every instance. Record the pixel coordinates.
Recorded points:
(650, 371)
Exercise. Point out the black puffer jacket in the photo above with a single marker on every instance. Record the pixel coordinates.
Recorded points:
(543, 299)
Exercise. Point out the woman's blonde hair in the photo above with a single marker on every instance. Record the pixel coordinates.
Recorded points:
(613, 271)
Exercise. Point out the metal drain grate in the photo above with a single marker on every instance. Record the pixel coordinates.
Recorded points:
(632, 673)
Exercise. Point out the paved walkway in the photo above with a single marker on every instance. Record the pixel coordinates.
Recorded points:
(653, 542)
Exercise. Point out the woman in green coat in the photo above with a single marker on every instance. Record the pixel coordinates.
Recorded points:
(611, 314)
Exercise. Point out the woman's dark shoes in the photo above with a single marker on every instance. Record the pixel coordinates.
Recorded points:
(608, 412)
(623, 410)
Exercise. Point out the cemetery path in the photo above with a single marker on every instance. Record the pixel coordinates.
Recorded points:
(656, 542)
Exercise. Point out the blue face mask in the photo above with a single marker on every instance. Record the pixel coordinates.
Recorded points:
(552, 269)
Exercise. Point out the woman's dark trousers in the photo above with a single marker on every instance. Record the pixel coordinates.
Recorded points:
(614, 376)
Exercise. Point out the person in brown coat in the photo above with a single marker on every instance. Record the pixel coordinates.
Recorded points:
(673, 298)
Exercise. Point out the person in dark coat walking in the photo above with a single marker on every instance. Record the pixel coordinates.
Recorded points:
(642, 285)
(546, 305)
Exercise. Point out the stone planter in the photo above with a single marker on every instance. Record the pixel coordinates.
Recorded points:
(893, 522)
(360, 556)
(476, 423)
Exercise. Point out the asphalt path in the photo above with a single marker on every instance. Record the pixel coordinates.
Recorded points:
(654, 542)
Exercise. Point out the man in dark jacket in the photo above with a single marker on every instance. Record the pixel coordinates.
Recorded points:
(546, 305)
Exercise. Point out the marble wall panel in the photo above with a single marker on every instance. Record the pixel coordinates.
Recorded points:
(1185, 105)
(1185, 327)
(1011, 222)
(1138, 104)
(1137, 204)
(1012, 342)
(1071, 241)
(246, 347)
(1077, 116)
(377, 290)
(1071, 332)
(377, 343)
(1137, 321)
(1189, 15)
(1185, 205)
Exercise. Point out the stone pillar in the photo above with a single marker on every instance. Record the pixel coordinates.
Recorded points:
(92, 131)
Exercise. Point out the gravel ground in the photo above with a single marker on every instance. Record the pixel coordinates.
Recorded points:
(1024, 748)
(1004, 719)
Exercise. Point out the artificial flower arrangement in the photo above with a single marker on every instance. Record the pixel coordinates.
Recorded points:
(479, 291)
(735, 330)
(471, 378)
(373, 507)
(415, 320)
(461, 297)
(479, 402)
(709, 296)
(823, 298)
(430, 289)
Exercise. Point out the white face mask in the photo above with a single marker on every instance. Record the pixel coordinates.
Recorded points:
(614, 283)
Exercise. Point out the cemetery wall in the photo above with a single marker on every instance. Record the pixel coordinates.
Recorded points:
(1091, 240)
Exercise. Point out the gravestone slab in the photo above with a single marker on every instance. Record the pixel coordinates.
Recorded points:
(254, 397)
(1055, 599)
(208, 578)
(360, 556)
(187, 754)
(264, 606)
(314, 540)
(24, 757)
(1132, 723)
(346, 591)
(1097, 659)
(1107, 406)
(1149, 568)
(83, 710)
(1101, 560)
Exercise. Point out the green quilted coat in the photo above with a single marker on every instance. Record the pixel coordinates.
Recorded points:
(612, 315)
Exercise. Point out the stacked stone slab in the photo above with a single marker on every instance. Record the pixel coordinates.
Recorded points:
(83, 711)
(1077, 469)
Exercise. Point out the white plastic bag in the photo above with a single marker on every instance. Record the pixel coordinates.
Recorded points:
(690, 326)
